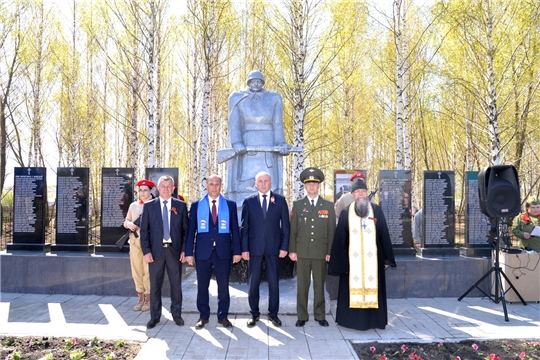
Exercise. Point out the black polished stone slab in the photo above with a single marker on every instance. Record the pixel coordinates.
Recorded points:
(89, 248)
(395, 201)
(117, 194)
(29, 209)
(438, 220)
(72, 209)
(477, 225)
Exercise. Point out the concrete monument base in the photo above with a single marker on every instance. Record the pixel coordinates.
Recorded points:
(110, 274)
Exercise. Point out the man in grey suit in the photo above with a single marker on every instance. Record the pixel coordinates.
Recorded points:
(164, 224)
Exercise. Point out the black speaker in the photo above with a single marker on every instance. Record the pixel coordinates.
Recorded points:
(498, 189)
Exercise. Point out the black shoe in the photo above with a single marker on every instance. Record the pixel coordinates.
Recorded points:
(275, 320)
(152, 323)
(253, 321)
(300, 323)
(225, 322)
(179, 321)
(323, 322)
(200, 324)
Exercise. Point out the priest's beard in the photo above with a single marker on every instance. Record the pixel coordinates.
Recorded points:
(362, 207)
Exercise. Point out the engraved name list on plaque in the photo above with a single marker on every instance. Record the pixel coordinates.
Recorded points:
(116, 196)
(439, 226)
(395, 201)
(72, 210)
(477, 225)
(29, 209)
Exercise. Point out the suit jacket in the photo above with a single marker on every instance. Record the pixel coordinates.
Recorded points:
(312, 230)
(152, 227)
(260, 234)
(227, 244)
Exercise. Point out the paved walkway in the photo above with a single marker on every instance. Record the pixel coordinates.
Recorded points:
(111, 317)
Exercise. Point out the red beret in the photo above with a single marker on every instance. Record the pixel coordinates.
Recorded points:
(358, 175)
(148, 183)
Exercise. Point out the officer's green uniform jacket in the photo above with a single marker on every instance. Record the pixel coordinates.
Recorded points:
(312, 230)
(521, 226)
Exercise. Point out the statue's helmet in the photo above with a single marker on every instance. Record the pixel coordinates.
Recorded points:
(255, 74)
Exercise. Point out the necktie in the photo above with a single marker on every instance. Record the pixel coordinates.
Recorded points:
(264, 206)
(165, 214)
(312, 204)
(214, 211)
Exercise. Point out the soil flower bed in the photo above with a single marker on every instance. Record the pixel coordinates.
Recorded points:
(52, 348)
(464, 350)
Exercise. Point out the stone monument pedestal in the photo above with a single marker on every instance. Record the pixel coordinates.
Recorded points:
(239, 271)
(437, 252)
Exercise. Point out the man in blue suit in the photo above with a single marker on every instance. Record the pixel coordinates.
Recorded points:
(213, 232)
(164, 224)
(265, 238)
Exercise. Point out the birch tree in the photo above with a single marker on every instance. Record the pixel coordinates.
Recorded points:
(493, 42)
(307, 55)
(11, 38)
(213, 23)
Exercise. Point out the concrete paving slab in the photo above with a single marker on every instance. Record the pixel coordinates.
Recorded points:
(112, 317)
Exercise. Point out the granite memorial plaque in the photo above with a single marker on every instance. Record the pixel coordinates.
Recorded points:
(72, 210)
(154, 174)
(116, 196)
(29, 209)
(395, 201)
(439, 226)
(477, 225)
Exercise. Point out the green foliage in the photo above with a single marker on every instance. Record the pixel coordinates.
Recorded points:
(9, 340)
(70, 343)
(81, 84)
(7, 198)
(77, 355)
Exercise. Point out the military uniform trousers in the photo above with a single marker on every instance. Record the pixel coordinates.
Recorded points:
(304, 270)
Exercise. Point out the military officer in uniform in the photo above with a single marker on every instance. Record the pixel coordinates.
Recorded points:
(313, 223)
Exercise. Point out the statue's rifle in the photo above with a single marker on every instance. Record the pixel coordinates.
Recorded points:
(227, 154)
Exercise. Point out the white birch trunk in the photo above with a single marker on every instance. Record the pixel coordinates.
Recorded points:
(493, 112)
(194, 189)
(299, 59)
(399, 83)
(134, 87)
(405, 84)
(134, 143)
(72, 156)
(151, 70)
(36, 159)
(208, 63)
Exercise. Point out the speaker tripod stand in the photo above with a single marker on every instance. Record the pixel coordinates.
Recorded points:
(499, 292)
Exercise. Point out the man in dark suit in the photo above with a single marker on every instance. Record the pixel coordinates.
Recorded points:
(313, 224)
(213, 232)
(164, 224)
(265, 238)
